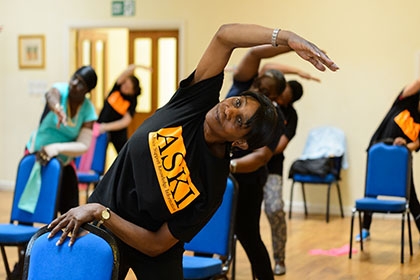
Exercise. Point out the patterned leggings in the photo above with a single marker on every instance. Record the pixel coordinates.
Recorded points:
(273, 207)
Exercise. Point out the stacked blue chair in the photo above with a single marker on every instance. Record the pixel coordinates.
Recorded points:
(214, 246)
(387, 188)
(326, 145)
(94, 175)
(44, 260)
(23, 224)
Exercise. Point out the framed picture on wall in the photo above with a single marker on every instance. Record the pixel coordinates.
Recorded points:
(31, 51)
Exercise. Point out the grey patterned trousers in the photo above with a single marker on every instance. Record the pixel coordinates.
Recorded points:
(273, 207)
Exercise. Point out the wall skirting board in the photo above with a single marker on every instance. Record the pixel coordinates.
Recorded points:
(6, 185)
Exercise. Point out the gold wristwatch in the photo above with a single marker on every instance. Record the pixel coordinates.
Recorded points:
(105, 215)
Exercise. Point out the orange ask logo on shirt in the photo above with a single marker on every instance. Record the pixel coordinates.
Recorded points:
(118, 103)
(406, 122)
(168, 154)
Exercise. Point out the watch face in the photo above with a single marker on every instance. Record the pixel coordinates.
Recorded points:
(105, 214)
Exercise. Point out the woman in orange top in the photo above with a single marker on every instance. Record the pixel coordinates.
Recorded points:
(119, 107)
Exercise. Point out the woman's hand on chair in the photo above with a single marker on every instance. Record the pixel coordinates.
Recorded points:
(70, 223)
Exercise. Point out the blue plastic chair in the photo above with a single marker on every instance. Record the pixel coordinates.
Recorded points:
(214, 246)
(94, 175)
(330, 179)
(22, 226)
(387, 188)
(323, 142)
(44, 260)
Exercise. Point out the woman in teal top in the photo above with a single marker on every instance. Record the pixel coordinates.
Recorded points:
(65, 130)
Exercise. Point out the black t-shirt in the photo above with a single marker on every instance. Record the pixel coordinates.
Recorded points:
(116, 105)
(402, 120)
(165, 172)
(289, 118)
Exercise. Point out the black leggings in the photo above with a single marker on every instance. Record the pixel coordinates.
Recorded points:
(118, 138)
(414, 206)
(69, 191)
(247, 229)
(165, 266)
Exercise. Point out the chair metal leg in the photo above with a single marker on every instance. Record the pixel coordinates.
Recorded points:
(291, 199)
(87, 191)
(304, 199)
(233, 268)
(339, 200)
(327, 216)
(6, 262)
(409, 234)
(402, 237)
(351, 232)
(360, 230)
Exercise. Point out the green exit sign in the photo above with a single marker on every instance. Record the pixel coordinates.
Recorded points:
(123, 8)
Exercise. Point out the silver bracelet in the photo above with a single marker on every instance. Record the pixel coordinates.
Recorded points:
(274, 37)
(233, 165)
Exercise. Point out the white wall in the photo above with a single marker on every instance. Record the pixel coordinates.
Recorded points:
(374, 42)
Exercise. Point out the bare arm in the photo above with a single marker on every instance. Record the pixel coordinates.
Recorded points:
(71, 149)
(116, 125)
(129, 71)
(282, 144)
(145, 241)
(231, 36)
(250, 63)
(53, 99)
(412, 146)
(411, 89)
(251, 162)
(126, 73)
(287, 69)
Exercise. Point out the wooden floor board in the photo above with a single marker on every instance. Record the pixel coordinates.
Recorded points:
(379, 260)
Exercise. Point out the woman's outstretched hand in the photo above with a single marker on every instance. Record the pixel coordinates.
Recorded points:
(307, 50)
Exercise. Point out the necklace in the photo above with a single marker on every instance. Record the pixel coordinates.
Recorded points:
(69, 118)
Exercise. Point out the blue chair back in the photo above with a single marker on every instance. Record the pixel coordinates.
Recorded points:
(388, 171)
(46, 208)
(99, 154)
(92, 256)
(216, 237)
(99, 157)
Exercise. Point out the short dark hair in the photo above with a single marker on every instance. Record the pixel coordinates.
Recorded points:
(136, 85)
(297, 90)
(88, 74)
(278, 78)
(263, 123)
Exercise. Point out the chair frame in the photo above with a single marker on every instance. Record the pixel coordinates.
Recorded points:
(405, 212)
(228, 261)
(89, 227)
(27, 219)
(318, 180)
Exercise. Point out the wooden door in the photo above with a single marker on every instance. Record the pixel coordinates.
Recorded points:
(92, 50)
(157, 49)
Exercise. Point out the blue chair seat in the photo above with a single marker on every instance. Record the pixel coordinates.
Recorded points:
(315, 179)
(200, 267)
(330, 179)
(11, 233)
(380, 205)
(87, 177)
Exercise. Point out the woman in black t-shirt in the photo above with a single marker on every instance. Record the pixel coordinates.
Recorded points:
(169, 178)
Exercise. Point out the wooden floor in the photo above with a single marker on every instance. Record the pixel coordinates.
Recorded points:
(380, 259)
